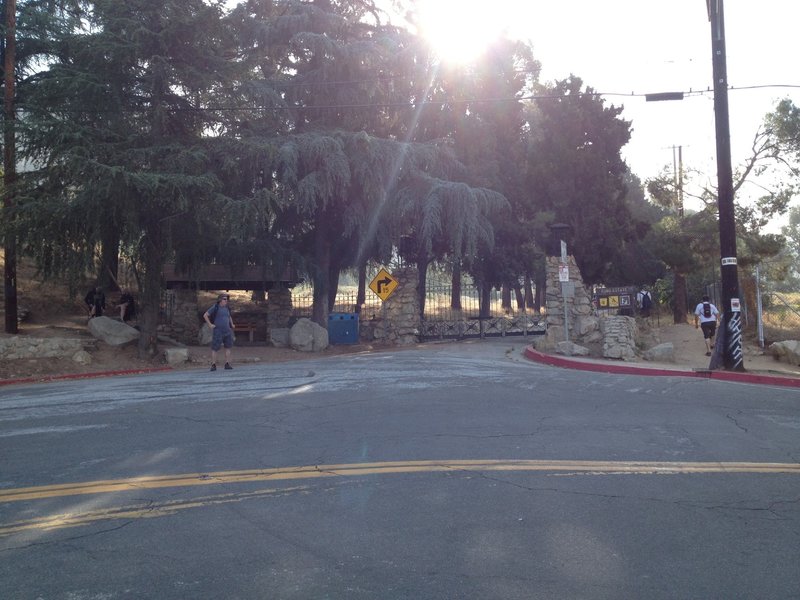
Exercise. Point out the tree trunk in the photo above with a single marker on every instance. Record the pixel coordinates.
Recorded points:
(422, 266)
(333, 284)
(322, 260)
(151, 293)
(519, 297)
(679, 308)
(486, 300)
(455, 292)
(540, 299)
(505, 302)
(361, 298)
(108, 276)
(10, 170)
(529, 301)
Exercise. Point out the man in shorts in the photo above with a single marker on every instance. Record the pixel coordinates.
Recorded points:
(707, 315)
(220, 321)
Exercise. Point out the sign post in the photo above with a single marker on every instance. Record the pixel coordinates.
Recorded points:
(384, 285)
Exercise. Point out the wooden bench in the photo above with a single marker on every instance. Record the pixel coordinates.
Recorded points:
(248, 327)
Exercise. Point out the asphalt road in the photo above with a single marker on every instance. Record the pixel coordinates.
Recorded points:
(447, 471)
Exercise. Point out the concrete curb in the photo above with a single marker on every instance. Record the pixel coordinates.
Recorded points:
(622, 369)
(48, 378)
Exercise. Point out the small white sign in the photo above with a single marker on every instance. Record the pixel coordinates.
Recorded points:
(736, 305)
(563, 273)
(728, 260)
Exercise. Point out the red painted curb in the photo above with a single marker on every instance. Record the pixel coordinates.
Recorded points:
(567, 363)
(46, 378)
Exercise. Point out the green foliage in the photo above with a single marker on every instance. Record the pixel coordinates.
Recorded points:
(576, 171)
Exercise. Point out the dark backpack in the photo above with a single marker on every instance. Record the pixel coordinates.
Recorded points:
(212, 312)
(647, 302)
(706, 309)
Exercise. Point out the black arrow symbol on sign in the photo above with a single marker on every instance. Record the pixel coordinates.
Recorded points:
(383, 282)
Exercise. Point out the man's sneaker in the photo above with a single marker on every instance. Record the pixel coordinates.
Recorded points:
(228, 366)
(213, 367)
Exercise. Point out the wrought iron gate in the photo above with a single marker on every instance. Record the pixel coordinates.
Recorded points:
(441, 321)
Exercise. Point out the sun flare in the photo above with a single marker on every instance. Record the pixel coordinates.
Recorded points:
(461, 30)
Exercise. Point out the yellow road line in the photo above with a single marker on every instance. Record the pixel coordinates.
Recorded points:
(138, 511)
(380, 468)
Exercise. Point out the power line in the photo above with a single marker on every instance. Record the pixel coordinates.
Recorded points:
(417, 105)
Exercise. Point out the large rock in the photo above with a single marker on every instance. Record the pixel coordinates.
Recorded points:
(176, 356)
(204, 335)
(113, 333)
(279, 336)
(788, 351)
(82, 357)
(307, 336)
(571, 349)
(662, 353)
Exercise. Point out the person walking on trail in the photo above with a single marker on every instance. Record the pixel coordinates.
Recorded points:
(220, 321)
(127, 306)
(707, 315)
(95, 301)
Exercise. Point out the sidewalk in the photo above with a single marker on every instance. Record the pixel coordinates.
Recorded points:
(786, 376)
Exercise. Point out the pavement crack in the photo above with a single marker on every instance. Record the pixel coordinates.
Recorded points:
(735, 422)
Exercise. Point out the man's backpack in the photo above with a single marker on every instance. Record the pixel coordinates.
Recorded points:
(212, 312)
(647, 302)
(706, 309)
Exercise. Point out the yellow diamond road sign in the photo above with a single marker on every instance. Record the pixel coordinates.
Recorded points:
(383, 284)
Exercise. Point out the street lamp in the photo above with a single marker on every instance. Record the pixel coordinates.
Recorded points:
(729, 341)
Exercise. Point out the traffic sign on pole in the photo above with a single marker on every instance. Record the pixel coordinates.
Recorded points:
(383, 284)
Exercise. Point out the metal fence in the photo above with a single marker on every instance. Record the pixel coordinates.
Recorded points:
(780, 318)
(346, 302)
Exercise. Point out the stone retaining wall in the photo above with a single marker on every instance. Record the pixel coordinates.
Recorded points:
(19, 347)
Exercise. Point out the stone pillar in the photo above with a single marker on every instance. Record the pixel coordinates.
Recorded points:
(583, 324)
(185, 323)
(279, 307)
(402, 324)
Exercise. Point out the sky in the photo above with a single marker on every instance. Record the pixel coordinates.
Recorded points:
(645, 46)
(625, 47)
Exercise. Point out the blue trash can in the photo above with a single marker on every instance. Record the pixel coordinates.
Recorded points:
(343, 328)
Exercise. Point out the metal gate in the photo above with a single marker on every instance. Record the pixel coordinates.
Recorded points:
(441, 320)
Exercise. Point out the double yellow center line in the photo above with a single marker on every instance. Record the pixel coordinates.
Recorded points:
(564, 467)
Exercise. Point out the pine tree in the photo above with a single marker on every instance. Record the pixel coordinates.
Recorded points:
(118, 126)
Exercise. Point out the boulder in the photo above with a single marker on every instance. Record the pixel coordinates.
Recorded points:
(662, 353)
(112, 332)
(307, 336)
(176, 356)
(204, 335)
(82, 357)
(571, 349)
(787, 351)
(279, 337)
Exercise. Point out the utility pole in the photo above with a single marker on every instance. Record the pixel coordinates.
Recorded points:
(730, 336)
(10, 169)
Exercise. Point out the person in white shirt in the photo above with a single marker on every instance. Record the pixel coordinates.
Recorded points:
(706, 316)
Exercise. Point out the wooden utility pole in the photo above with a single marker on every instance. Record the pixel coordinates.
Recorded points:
(730, 354)
(10, 169)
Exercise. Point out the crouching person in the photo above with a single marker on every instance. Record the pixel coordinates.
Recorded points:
(220, 321)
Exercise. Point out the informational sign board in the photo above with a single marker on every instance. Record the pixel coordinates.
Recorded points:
(383, 284)
(736, 306)
(563, 273)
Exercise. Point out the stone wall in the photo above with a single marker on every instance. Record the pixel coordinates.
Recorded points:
(402, 325)
(18, 347)
(185, 323)
(279, 308)
(619, 337)
(583, 324)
